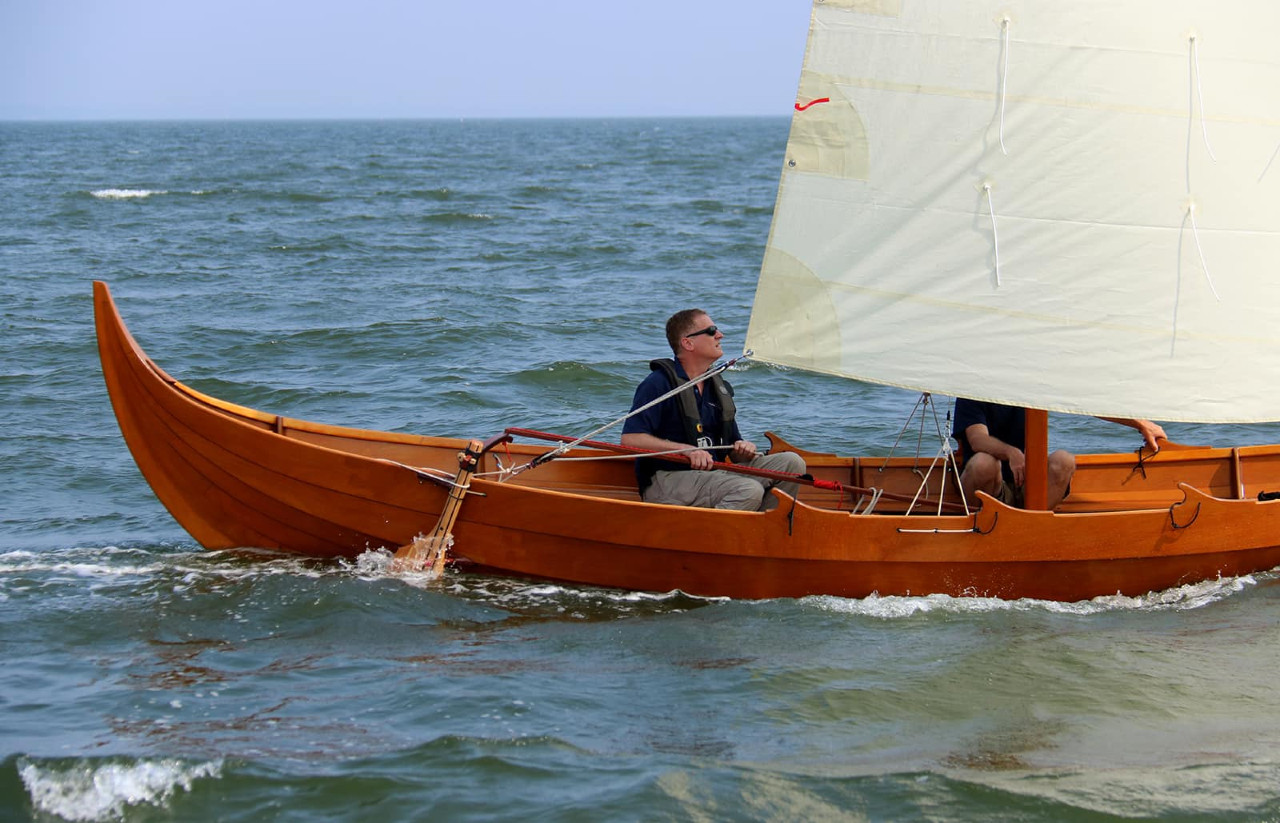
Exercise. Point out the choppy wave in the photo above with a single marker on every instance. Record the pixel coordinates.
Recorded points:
(468, 277)
(442, 193)
(457, 218)
(567, 374)
(94, 790)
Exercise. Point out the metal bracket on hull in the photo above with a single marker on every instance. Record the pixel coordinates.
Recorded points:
(426, 477)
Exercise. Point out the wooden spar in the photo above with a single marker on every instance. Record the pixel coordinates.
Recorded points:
(1035, 487)
(808, 480)
(432, 548)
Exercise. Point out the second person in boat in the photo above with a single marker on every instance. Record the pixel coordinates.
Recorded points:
(992, 448)
(700, 422)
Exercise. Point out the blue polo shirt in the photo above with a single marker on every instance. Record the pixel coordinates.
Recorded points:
(665, 421)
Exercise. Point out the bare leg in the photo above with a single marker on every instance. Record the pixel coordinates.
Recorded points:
(981, 473)
(1062, 466)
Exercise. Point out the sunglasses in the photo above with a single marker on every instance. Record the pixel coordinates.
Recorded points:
(709, 331)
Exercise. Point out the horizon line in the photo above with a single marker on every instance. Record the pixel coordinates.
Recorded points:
(392, 118)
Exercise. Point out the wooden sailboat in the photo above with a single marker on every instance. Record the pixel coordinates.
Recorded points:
(236, 477)
(1006, 202)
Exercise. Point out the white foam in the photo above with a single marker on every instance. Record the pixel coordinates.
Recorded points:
(373, 564)
(370, 563)
(108, 563)
(1180, 598)
(102, 792)
(124, 194)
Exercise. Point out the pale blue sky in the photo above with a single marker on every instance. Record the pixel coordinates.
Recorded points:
(163, 59)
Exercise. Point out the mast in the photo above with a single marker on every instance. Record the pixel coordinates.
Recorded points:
(1035, 488)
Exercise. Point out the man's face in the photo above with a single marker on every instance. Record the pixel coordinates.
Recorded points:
(705, 338)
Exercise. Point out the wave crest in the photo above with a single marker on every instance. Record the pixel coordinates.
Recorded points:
(125, 194)
(96, 791)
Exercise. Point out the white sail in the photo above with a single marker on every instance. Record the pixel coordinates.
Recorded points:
(1062, 205)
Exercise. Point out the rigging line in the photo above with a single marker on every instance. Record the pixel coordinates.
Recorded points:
(1195, 231)
(995, 237)
(955, 468)
(923, 398)
(925, 406)
(1195, 69)
(923, 488)
(646, 454)
(437, 475)
(564, 447)
(1004, 78)
(944, 448)
(948, 460)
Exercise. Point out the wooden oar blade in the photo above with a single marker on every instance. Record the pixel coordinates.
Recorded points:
(428, 554)
(423, 554)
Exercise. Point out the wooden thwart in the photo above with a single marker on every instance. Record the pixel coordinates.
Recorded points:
(808, 480)
(431, 550)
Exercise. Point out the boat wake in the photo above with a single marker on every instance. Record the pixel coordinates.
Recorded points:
(1181, 598)
(182, 568)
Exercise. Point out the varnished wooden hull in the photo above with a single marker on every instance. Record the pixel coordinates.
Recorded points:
(235, 477)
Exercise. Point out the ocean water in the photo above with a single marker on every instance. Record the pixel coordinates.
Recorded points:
(457, 278)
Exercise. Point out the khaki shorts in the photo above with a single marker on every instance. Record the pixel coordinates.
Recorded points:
(1010, 495)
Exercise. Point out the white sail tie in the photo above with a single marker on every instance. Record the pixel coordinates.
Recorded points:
(1004, 78)
(1267, 168)
(1194, 67)
(1195, 231)
(1195, 76)
(995, 237)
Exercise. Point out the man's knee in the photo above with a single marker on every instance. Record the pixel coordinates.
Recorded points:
(981, 471)
(789, 462)
(740, 493)
(1062, 464)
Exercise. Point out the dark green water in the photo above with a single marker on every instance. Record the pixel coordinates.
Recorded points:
(457, 278)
